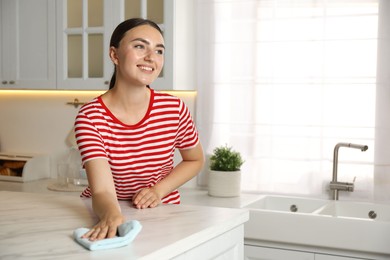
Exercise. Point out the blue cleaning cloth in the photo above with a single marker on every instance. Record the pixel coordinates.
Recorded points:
(127, 232)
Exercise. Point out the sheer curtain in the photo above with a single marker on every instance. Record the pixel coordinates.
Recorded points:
(284, 81)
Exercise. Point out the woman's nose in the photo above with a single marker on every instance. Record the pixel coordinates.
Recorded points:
(150, 56)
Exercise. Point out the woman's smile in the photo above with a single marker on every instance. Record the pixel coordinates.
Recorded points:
(145, 68)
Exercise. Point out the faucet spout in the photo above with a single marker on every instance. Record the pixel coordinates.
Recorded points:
(335, 186)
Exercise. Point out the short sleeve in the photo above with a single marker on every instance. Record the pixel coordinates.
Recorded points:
(187, 133)
(88, 138)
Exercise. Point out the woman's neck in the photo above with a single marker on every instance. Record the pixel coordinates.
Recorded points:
(130, 104)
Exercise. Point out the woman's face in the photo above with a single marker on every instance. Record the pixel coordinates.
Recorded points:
(140, 56)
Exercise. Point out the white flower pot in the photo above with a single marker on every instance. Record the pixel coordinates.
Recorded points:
(224, 184)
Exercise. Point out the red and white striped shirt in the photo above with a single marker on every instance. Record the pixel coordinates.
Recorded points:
(139, 155)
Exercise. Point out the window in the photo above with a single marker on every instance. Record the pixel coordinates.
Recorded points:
(289, 80)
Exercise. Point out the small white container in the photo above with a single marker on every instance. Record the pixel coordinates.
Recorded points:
(224, 184)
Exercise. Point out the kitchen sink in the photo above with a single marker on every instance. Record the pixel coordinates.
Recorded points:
(348, 209)
(288, 204)
(339, 225)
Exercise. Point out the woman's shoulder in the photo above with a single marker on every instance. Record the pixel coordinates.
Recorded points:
(161, 94)
(91, 105)
(166, 97)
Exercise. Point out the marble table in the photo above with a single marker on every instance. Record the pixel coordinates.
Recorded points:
(40, 226)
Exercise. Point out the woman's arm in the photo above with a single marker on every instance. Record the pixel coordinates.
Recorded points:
(192, 163)
(104, 200)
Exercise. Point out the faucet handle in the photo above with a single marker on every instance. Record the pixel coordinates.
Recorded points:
(345, 186)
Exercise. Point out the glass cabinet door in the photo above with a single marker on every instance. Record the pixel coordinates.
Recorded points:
(83, 45)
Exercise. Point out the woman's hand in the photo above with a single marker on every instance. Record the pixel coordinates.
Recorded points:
(104, 200)
(105, 228)
(147, 197)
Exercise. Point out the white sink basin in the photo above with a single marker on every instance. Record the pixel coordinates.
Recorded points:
(288, 204)
(339, 225)
(348, 209)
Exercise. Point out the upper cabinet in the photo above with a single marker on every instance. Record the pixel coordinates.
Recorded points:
(84, 29)
(27, 44)
(64, 44)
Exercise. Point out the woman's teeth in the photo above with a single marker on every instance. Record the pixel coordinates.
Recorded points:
(145, 68)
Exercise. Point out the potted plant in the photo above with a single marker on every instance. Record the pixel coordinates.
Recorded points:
(225, 172)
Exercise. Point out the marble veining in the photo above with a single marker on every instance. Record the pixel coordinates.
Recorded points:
(40, 226)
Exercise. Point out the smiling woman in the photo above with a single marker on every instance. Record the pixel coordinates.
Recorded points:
(127, 136)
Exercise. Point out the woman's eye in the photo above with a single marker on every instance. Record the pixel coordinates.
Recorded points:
(139, 46)
(160, 52)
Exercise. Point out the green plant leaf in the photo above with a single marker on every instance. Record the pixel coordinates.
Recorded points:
(224, 158)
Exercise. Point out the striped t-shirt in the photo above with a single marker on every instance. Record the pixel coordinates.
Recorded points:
(139, 155)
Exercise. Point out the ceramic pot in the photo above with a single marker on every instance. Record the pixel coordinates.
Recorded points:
(224, 184)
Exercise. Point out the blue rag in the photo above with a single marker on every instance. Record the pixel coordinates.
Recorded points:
(127, 232)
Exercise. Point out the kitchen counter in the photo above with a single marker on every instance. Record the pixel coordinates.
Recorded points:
(40, 226)
(189, 196)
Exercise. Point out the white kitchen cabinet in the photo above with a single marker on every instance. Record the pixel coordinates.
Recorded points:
(27, 44)
(274, 253)
(229, 245)
(63, 44)
(267, 253)
(84, 29)
(335, 257)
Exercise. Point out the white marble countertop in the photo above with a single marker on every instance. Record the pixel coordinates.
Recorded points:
(189, 196)
(40, 226)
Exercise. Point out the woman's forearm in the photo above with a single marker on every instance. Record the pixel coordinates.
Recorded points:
(182, 173)
(191, 165)
(105, 205)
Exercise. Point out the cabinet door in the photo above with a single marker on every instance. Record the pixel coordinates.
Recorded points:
(27, 44)
(267, 253)
(83, 33)
(335, 257)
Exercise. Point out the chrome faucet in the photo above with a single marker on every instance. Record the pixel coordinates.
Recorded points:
(335, 186)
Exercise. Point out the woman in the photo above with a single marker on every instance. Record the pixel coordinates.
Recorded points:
(128, 135)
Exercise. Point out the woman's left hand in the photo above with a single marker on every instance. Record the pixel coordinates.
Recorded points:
(145, 198)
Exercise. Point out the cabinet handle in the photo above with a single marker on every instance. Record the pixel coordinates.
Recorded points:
(106, 82)
(4, 82)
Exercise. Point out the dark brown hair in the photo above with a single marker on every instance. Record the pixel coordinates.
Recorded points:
(120, 32)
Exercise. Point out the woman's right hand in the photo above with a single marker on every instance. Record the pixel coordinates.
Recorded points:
(106, 228)
(104, 200)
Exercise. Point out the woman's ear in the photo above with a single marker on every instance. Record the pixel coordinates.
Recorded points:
(113, 55)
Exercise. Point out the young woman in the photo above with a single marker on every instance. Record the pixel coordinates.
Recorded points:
(128, 135)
